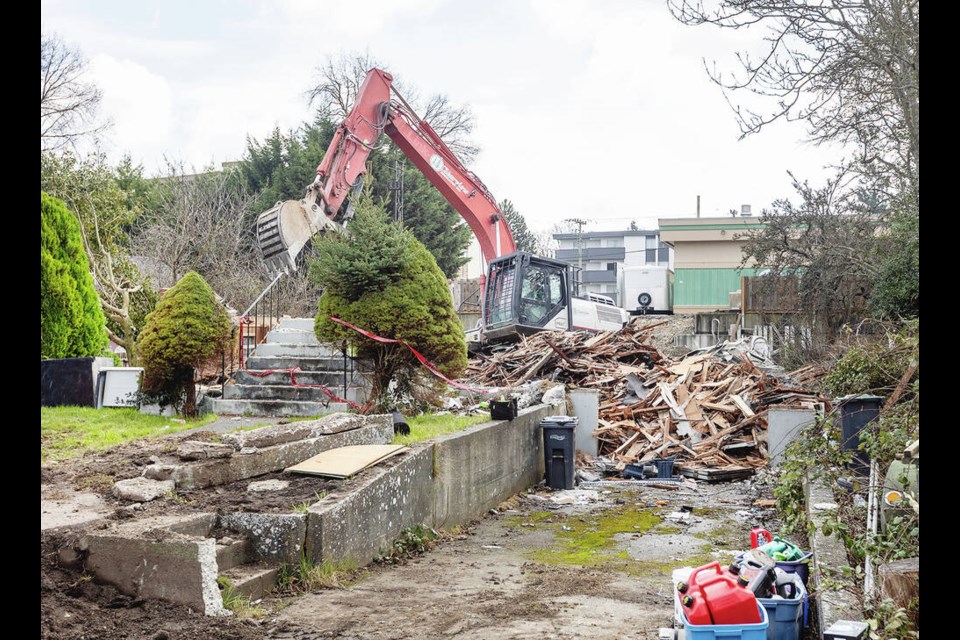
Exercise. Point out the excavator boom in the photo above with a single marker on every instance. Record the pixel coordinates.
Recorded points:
(526, 293)
(284, 230)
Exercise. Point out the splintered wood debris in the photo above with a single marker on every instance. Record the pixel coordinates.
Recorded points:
(708, 409)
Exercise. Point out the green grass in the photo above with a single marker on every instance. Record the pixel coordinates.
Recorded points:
(240, 605)
(430, 425)
(67, 432)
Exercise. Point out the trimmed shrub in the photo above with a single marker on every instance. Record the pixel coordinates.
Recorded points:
(186, 328)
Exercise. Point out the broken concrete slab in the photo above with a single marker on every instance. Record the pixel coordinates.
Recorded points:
(281, 433)
(198, 450)
(145, 559)
(268, 485)
(142, 489)
(206, 473)
(159, 471)
(64, 507)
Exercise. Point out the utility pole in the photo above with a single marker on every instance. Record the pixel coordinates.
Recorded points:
(579, 222)
(396, 186)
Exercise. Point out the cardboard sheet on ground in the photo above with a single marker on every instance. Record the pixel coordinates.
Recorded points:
(346, 461)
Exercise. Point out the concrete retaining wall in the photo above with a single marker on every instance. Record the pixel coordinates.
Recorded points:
(449, 482)
(275, 537)
(357, 527)
(479, 468)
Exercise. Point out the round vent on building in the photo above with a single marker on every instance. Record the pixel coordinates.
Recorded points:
(644, 299)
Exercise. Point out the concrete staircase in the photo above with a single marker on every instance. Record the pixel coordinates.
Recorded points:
(292, 343)
(238, 568)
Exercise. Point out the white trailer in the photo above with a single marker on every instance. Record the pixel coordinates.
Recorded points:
(646, 289)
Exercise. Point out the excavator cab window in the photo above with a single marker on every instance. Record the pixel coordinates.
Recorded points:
(541, 294)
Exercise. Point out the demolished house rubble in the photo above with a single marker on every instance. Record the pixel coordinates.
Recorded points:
(708, 410)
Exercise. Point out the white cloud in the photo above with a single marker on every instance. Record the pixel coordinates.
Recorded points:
(598, 109)
(140, 104)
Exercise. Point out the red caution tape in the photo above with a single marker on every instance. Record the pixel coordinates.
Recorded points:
(293, 380)
(419, 356)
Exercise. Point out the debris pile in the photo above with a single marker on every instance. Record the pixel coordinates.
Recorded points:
(707, 409)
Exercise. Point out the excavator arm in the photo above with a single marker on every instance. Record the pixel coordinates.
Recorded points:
(285, 229)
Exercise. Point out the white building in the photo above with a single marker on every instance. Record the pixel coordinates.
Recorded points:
(611, 257)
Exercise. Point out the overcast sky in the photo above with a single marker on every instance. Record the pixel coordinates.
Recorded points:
(598, 109)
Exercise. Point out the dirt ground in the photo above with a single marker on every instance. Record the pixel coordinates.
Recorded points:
(593, 565)
(540, 570)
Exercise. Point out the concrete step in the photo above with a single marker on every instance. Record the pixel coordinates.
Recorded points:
(291, 336)
(328, 378)
(252, 581)
(239, 407)
(303, 324)
(232, 555)
(305, 363)
(294, 350)
(279, 392)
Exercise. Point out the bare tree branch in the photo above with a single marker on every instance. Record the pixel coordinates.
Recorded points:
(68, 104)
(850, 69)
(202, 224)
(338, 83)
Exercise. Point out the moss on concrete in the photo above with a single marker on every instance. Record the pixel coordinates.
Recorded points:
(589, 540)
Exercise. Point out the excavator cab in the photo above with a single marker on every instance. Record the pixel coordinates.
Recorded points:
(525, 294)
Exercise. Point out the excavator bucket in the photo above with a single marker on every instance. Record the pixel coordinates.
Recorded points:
(284, 230)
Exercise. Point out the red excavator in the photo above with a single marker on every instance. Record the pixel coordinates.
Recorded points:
(523, 293)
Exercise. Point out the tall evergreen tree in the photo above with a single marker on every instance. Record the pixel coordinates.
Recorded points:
(384, 280)
(72, 324)
(525, 239)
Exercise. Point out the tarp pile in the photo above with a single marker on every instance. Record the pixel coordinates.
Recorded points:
(708, 409)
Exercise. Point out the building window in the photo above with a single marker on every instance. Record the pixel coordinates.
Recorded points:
(664, 252)
(651, 256)
(613, 242)
(611, 266)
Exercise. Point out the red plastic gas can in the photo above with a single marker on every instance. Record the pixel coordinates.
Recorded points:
(712, 595)
(694, 605)
(729, 602)
(759, 537)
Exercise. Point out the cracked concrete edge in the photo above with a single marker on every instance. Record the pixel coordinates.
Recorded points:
(209, 570)
(206, 473)
(828, 552)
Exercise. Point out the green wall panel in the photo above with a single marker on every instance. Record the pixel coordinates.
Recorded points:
(706, 287)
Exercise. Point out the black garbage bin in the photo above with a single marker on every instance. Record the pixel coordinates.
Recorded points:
(855, 412)
(558, 450)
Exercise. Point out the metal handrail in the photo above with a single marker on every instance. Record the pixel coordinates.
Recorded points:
(254, 307)
(262, 294)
